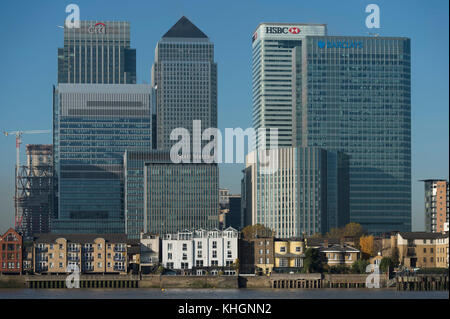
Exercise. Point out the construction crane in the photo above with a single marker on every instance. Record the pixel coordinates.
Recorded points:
(18, 134)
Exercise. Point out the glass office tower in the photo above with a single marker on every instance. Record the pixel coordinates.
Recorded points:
(97, 52)
(307, 194)
(179, 196)
(94, 124)
(353, 94)
(184, 75)
(272, 45)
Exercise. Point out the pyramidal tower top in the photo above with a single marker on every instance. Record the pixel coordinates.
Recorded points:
(184, 28)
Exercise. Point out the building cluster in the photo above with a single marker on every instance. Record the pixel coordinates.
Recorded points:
(341, 106)
(206, 252)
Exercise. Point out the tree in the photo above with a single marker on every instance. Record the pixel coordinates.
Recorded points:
(359, 266)
(387, 263)
(235, 265)
(255, 231)
(366, 244)
(313, 261)
(354, 230)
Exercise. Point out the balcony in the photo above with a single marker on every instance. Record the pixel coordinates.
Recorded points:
(119, 249)
(119, 258)
(89, 258)
(73, 250)
(88, 249)
(76, 259)
(119, 268)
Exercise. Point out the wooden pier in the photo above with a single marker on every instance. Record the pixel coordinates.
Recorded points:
(422, 282)
(86, 281)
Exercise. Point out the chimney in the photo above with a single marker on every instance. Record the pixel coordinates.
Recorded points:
(325, 243)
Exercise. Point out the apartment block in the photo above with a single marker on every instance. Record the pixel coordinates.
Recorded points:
(11, 252)
(436, 205)
(201, 251)
(91, 253)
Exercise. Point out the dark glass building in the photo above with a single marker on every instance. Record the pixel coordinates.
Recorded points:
(97, 52)
(94, 124)
(353, 94)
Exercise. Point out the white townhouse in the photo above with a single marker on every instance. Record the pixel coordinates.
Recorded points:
(201, 250)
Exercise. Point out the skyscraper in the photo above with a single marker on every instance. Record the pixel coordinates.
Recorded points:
(97, 52)
(436, 205)
(184, 75)
(307, 194)
(353, 94)
(272, 45)
(94, 124)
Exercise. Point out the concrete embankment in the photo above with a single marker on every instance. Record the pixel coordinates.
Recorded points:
(10, 281)
(188, 282)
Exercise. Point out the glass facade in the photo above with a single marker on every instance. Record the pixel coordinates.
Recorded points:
(185, 77)
(353, 94)
(180, 196)
(97, 52)
(272, 76)
(94, 124)
(308, 193)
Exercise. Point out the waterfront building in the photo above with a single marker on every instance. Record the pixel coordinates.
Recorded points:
(353, 94)
(150, 250)
(97, 52)
(184, 76)
(91, 253)
(436, 205)
(420, 249)
(306, 194)
(200, 251)
(340, 255)
(94, 124)
(256, 254)
(11, 252)
(272, 71)
(289, 255)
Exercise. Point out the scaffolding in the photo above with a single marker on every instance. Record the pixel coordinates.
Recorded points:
(33, 194)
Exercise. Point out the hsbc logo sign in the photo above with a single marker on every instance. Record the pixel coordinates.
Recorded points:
(282, 30)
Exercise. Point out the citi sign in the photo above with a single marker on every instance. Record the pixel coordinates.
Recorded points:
(97, 28)
(282, 30)
(340, 44)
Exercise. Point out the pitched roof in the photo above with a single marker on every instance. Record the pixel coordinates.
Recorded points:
(81, 238)
(422, 235)
(339, 248)
(184, 29)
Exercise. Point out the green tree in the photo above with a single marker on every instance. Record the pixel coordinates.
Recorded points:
(313, 261)
(387, 263)
(359, 266)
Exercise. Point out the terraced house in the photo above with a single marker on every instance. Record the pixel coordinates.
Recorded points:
(91, 253)
(289, 255)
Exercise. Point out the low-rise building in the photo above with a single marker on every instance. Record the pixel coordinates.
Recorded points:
(200, 252)
(11, 252)
(288, 255)
(256, 254)
(340, 255)
(150, 248)
(421, 249)
(91, 253)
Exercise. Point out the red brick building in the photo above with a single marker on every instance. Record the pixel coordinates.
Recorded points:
(11, 252)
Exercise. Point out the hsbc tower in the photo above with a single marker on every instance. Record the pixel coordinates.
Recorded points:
(272, 46)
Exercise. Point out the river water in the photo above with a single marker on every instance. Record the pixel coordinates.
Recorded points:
(152, 293)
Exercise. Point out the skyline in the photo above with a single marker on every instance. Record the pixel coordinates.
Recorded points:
(39, 87)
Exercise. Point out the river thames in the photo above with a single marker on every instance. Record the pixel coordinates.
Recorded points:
(142, 293)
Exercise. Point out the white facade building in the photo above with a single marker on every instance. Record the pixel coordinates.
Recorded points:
(201, 250)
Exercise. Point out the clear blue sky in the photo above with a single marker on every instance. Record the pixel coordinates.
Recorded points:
(30, 38)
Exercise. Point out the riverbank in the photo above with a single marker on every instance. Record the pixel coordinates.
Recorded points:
(275, 281)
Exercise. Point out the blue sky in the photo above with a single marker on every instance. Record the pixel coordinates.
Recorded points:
(30, 38)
